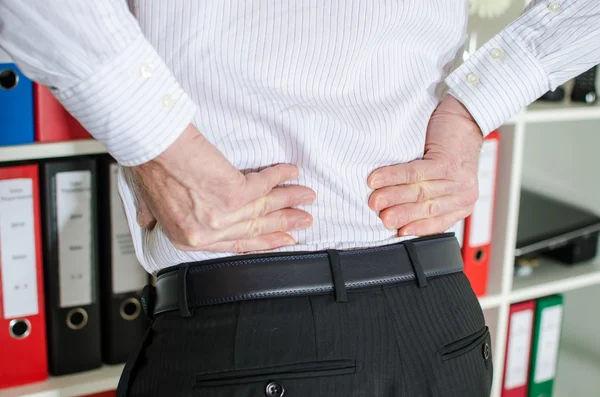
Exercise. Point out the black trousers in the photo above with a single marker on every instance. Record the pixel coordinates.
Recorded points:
(385, 341)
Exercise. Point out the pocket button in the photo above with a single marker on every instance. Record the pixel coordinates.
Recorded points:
(275, 389)
(486, 350)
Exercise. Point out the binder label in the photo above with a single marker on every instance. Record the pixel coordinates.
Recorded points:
(519, 344)
(547, 351)
(127, 273)
(17, 248)
(74, 219)
(481, 225)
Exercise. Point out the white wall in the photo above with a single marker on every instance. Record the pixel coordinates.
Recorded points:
(563, 160)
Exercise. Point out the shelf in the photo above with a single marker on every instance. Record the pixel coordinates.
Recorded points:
(103, 379)
(546, 112)
(35, 151)
(490, 302)
(552, 277)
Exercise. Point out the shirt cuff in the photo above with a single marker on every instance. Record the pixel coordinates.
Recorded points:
(132, 104)
(497, 81)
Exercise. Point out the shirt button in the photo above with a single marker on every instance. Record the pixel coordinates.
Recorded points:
(146, 71)
(274, 389)
(167, 101)
(496, 53)
(472, 78)
(554, 7)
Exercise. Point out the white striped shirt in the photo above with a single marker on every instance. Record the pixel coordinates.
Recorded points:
(338, 88)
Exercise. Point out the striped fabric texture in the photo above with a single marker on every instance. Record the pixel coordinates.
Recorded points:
(338, 88)
(394, 341)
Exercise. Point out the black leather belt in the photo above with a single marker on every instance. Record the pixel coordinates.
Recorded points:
(258, 276)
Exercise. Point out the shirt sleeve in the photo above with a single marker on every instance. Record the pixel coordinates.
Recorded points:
(97, 62)
(551, 42)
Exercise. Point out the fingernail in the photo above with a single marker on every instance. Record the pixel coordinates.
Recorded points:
(303, 223)
(308, 199)
(405, 232)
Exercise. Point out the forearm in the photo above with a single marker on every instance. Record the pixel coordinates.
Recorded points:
(94, 57)
(552, 42)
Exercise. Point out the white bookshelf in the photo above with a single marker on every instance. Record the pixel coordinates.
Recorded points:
(561, 112)
(90, 382)
(552, 278)
(36, 151)
(549, 278)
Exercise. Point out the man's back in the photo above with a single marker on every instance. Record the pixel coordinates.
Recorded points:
(338, 89)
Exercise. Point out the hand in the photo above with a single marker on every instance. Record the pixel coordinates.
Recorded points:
(429, 195)
(203, 203)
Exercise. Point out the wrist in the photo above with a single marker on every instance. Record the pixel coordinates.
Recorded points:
(456, 107)
(188, 145)
(189, 141)
(453, 106)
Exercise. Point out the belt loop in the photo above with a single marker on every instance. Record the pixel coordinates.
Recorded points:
(182, 300)
(416, 264)
(338, 278)
(148, 300)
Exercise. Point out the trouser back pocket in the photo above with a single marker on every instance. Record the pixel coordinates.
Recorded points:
(290, 371)
(464, 368)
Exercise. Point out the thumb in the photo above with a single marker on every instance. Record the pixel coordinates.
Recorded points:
(145, 217)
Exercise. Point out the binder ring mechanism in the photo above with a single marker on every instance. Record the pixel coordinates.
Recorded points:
(9, 79)
(19, 328)
(77, 319)
(130, 308)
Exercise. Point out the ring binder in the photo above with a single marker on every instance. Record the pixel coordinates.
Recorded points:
(122, 276)
(71, 265)
(16, 106)
(52, 121)
(22, 318)
(478, 227)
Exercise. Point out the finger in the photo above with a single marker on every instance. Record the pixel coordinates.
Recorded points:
(413, 172)
(260, 243)
(414, 192)
(278, 198)
(438, 224)
(277, 221)
(145, 217)
(258, 184)
(400, 215)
